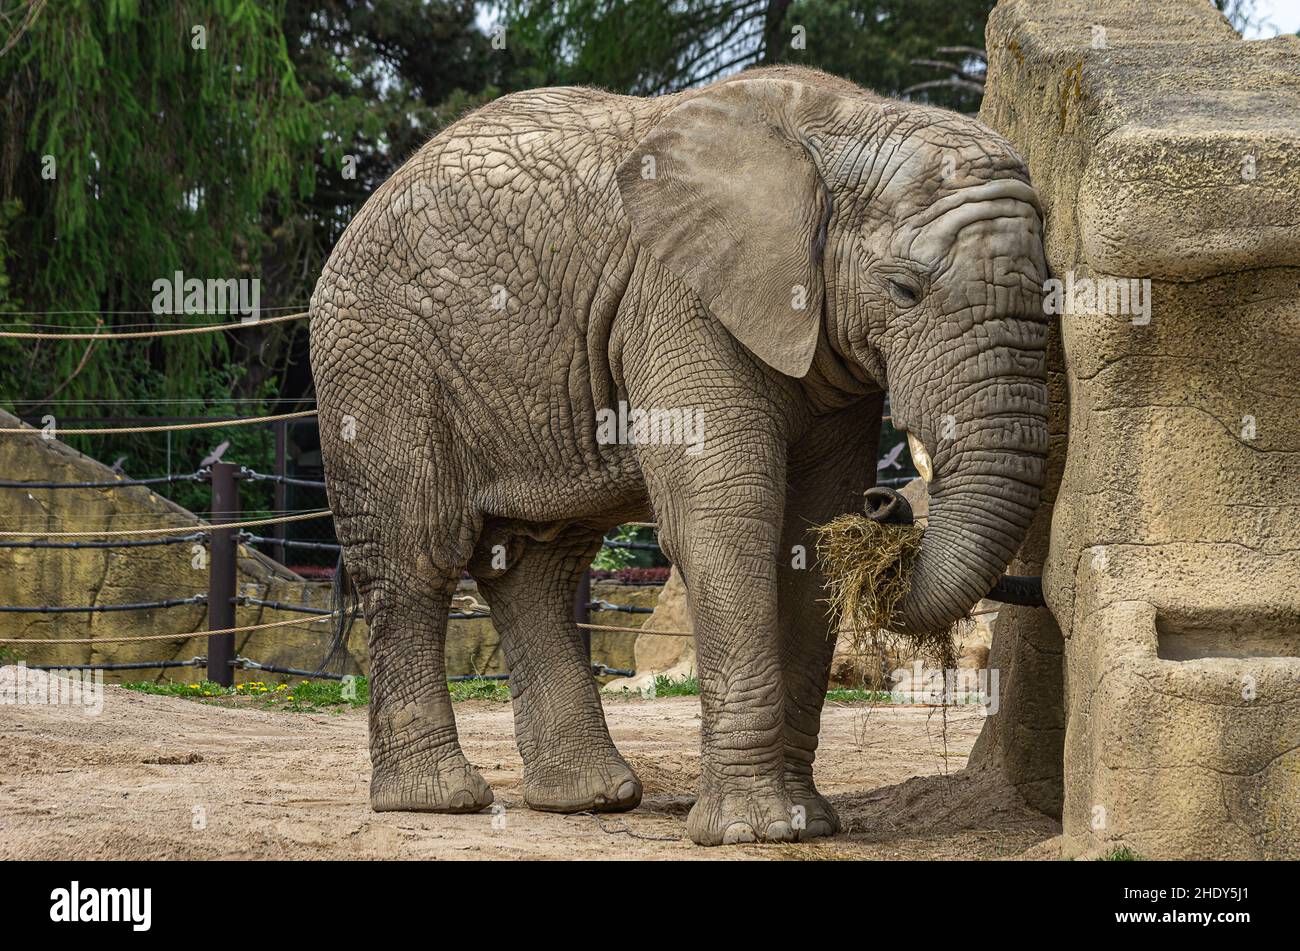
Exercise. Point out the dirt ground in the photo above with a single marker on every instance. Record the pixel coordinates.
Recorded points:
(159, 777)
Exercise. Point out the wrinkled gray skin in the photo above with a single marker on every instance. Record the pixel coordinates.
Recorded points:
(531, 265)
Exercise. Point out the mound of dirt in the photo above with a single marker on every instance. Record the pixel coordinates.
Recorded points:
(970, 799)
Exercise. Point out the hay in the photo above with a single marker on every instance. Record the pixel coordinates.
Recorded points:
(867, 566)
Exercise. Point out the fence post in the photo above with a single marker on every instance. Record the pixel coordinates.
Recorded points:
(582, 611)
(281, 490)
(221, 573)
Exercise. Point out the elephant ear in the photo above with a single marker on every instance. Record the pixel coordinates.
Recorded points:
(726, 197)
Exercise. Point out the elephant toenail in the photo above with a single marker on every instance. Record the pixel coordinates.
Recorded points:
(779, 831)
(816, 828)
(628, 791)
(737, 833)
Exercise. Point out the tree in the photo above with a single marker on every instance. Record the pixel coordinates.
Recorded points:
(642, 47)
(384, 77)
(139, 139)
(875, 42)
(648, 47)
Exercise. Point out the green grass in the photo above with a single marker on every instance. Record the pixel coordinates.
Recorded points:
(686, 687)
(497, 691)
(1121, 853)
(305, 696)
(664, 686)
(856, 695)
(204, 689)
(312, 696)
(690, 687)
(309, 696)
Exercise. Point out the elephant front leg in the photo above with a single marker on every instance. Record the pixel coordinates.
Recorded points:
(731, 587)
(724, 537)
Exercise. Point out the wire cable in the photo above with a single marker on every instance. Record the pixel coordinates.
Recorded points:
(200, 476)
(162, 637)
(92, 608)
(124, 532)
(141, 334)
(137, 543)
(57, 433)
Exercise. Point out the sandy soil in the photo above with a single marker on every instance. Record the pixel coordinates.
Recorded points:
(136, 780)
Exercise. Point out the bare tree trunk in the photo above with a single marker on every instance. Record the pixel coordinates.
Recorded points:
(773, 34)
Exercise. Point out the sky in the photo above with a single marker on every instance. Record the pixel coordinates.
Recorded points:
(1278, 16)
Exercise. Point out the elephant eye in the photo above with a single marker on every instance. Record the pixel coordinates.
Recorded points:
(904, 295)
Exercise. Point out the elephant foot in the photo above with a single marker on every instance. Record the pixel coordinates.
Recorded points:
(733, 815)
(452, 785)
(818, 817)
(608, 786)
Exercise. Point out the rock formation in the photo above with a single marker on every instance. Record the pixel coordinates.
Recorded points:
(1166, 152)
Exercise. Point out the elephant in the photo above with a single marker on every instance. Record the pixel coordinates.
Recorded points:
(772, 253)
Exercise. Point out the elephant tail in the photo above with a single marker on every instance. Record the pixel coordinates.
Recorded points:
(344, 603)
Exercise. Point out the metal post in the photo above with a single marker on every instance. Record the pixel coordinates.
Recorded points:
(281, 495)
(582, 611)
(221, 573)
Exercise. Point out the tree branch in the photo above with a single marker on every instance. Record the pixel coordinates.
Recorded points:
(951, 83)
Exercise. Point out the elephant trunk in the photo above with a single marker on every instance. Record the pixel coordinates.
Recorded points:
(979, 514)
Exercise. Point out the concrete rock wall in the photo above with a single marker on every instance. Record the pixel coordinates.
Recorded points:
(660, 654)
(1167, 150)
(36, 576)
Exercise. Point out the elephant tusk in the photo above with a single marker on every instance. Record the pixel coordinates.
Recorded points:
(920, 458)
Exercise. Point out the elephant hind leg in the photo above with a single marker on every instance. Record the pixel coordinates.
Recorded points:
(416, 759)
(829, 469)
(570, 762)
